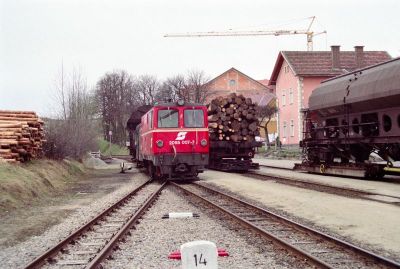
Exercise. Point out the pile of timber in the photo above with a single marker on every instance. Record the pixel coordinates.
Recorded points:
(21, 136)
(233, 118)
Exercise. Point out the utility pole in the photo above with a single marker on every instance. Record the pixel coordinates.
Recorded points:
(109, 135)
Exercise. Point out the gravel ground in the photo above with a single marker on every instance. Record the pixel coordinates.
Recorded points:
(389, 185)
(368, 224)
(21, 254)
(154, 238)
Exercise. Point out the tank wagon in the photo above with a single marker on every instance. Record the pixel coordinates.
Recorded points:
(170, 140)
(351, 116)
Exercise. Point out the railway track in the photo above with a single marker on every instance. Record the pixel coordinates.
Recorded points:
(95, 241)
(342, 191)
(276, 167)
(91, 244)
(318, 249)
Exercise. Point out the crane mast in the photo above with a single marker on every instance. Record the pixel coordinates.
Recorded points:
(310, 34)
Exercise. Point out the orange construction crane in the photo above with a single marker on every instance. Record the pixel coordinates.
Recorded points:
(310, 34)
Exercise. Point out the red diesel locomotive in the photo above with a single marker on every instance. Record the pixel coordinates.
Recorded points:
(171, 139)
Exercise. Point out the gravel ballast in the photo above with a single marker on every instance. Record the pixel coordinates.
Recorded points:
(154, 238)
(371, 225)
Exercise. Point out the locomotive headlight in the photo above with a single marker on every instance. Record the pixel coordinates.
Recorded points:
(203, 142)
(160, 143)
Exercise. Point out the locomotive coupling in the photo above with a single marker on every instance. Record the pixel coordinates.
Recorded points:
(181, 168)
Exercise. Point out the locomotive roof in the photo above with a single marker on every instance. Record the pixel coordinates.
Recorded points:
(137, 114)
(371, 83)
(170, 104)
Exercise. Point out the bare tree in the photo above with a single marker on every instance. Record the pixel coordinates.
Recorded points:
(73, 133)
(147, 86)
(59, 85)
(191, 88)
(117, 93)
(266, 113)
(196, 86)
(171, 89)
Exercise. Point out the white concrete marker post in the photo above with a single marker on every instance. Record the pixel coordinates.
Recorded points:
(199, 254)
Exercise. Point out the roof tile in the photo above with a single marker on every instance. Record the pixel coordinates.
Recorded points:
(319, 63)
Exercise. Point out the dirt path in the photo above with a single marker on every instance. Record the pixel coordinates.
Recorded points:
(18, 225)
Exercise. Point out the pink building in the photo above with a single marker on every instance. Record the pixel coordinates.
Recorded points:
(297, 73)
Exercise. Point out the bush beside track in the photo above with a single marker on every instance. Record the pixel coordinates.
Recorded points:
(21, 185)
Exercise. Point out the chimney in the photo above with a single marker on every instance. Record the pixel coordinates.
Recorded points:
(335, 57)
(359, 56)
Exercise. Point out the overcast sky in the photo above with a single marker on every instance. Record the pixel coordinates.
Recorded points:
(37, 36)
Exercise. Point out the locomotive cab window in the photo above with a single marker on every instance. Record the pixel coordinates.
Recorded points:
(150, 119)
(168, 118)
(194, 118)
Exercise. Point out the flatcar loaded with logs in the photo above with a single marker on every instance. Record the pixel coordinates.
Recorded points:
(233, 126)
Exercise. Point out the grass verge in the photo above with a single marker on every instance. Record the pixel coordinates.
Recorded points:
(115, 149)
(21, 185)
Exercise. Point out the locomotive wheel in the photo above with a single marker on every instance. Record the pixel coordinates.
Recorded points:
(153, 172)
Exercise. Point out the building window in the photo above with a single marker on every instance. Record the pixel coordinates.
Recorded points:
(286, 68)
(284, 98)
(284, 129)
(291, 127)
(290, 96)
(232, 82)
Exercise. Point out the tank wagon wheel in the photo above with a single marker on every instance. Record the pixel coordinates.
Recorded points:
(374, 173)
(322, 168)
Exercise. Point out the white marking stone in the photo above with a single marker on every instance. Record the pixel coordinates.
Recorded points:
(199, 254)
(173, 215)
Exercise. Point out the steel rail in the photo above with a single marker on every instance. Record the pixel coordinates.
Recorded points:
(296, 182)
(276, 167)
(310, 258)
(49, 254)
(108, 249)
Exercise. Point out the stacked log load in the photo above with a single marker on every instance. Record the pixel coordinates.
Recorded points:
(21, 136)
(233, 118)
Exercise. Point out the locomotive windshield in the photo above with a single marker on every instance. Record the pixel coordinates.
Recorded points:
(167, 118)
(194, 118)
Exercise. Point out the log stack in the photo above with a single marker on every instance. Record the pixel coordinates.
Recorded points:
(21, 136)
(233, 118)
